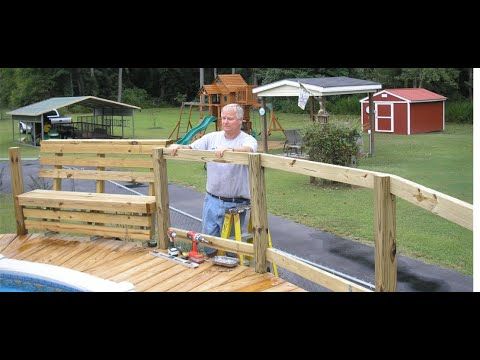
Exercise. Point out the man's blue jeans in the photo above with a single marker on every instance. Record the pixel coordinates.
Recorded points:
(214, 213)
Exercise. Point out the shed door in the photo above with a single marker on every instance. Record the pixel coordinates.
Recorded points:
(384, 117)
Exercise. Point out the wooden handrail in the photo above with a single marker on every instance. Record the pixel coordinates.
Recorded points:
(445, 206)
(386, 188)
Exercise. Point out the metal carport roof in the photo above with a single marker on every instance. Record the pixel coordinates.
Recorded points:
(44, 106)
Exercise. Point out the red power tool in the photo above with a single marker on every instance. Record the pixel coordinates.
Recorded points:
(194, 255)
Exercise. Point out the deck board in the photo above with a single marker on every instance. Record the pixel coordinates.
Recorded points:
(128, 261)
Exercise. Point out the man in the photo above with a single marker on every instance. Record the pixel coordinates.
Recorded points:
(227, 184)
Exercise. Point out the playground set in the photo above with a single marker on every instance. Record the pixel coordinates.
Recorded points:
(226, 89)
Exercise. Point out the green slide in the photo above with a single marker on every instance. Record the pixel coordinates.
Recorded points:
(187, 138)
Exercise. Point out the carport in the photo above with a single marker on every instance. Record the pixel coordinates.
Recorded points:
(107, 116)
(316, 88)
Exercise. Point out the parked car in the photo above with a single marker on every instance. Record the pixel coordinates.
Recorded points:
(24, 128)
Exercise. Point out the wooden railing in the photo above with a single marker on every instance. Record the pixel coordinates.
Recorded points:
(386, 188)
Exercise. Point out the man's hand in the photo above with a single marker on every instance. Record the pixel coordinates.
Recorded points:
(173, 149)
(220, 151)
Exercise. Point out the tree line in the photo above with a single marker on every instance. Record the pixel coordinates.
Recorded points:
(147, 87)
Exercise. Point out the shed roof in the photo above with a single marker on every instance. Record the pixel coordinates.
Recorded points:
(416, 94)
(320, 86)
(412, 94)
(59, 102)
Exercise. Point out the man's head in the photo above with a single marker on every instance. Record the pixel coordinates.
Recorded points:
(232, 118)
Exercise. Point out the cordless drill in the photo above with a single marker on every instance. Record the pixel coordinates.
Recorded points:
(194, 255)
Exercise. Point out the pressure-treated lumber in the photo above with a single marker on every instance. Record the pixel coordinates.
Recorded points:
(161, 195)
(17, 187)
(385, 233)
(258, 212)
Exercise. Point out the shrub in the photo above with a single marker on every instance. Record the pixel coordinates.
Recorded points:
(288, 105)
(341, 104)
(332, 143)
(138, 97)
(459, 111)
(180, 98)
(344, 105)
(78, 109)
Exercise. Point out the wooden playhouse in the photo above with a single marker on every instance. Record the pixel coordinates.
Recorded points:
(226, 89)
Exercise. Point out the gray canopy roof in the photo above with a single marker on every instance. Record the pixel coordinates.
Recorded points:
(340, 85)
(44, 106)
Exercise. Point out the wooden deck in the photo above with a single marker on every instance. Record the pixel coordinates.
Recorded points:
(128, 261)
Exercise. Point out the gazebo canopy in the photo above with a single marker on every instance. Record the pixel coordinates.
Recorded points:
(340, 85)
(93, 102)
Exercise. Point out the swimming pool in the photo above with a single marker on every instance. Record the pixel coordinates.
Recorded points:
(26, 276)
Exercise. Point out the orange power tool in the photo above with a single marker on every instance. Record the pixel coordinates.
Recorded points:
(194, 255)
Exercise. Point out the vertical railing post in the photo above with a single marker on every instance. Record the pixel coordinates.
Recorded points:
(151, 188)
(258, 212)
(161, 197)
(57, 182)
(100, 184)
(17, 187)
(385, 235)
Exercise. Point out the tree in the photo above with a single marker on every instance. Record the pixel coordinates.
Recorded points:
(119, 85)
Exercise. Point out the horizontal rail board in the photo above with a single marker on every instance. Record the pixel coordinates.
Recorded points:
(130, 176)
(450, 208)
(88, 201)
(229, 157)
(338, 173)
(159, 142)
(309, 272)
(134, 220)
(445, 206)
(299, 166)
(121, 232)
(96, 161)
(81, 148)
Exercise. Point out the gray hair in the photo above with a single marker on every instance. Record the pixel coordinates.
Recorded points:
(238, 109)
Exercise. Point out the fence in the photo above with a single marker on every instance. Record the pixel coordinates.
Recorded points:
(386, 189)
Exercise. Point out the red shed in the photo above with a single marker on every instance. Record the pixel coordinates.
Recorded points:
(406, 111)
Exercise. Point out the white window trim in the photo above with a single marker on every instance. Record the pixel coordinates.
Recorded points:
(387, 92)
(443, 115)
(408, 119)
(361, 116)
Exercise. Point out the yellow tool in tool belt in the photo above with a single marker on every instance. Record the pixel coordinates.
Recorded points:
(232, 217)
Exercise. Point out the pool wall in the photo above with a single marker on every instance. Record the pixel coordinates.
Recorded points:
(56, 278)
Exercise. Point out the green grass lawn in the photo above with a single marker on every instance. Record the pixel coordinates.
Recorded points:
(441, 161)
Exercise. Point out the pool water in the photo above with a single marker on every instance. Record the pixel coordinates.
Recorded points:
(26, 276)
(10, 289)
(11, 282)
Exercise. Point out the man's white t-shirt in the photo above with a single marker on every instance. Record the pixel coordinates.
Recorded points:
(227, 180)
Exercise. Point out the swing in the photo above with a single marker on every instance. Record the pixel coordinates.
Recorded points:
(255, 121)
